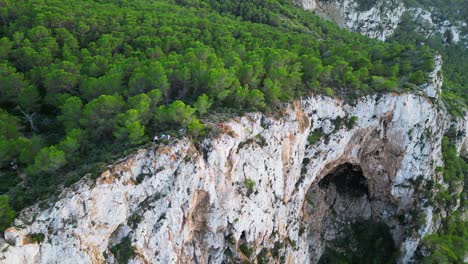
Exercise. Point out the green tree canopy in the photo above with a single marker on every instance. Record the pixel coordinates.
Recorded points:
(6, 213)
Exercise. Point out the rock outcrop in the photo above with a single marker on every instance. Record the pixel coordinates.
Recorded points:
(376, 21)
(379, 19)
(247, 192)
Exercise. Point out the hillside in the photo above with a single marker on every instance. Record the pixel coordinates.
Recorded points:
(82, 81)
(439, 25)
(258, 101)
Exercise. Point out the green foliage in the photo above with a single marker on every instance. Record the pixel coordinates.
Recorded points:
(315, 136)
(71, 113)
(447, 9)
(365, 5)
(123, 251)
(196, 128)
(6, 213)
(148, 77)
(362, 242)
(129, 128)
(202, 104)
(175, 114)
(450, 243)
(417, 77)
(5, 48)
(246, 250)
(249, 185)
(351, 122)
(328, 91)
(256, 100)
(384, 84)
(100, 116)
(260, 140)
(277, 247)
(453, 55)
(48, 160)
(12, 82)
(29, 99)
(11, 138)
(70, 145)
(37, 237)
(455, 168)
(109, 74)
(134, 220)
(10, 125)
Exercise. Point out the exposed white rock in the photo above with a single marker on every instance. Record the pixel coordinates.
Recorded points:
(191, 201)
(433, 88)
(308, 4)
(429, 24)
(377, 21)
(381, 18)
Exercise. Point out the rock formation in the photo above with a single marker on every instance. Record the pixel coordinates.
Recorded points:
(272, 188)
(379, 19)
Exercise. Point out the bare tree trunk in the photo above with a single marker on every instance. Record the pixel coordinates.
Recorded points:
(29, 118)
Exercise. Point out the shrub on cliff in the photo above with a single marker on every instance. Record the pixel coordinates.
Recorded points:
(6, 213)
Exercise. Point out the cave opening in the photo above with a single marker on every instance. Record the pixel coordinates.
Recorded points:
(344, 218)
(348, 179)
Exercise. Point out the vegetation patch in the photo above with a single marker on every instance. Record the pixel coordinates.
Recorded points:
(83, 89)
(362, 242)
(315, 136)
(134, 220)
(453, 55)
(262, 257)
(450, 243)
(276, 250)
(141, 177)
(260, 140)
(244, 143)
(123, 251)
(246, 250)
(351, 122)
(249, 184)
(36, 237)
(6, 213)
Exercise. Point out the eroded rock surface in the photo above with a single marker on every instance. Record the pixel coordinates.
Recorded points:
(181, 204)
(379, 19)
(345, 196)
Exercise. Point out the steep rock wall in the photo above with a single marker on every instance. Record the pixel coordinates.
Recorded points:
(244, 193)
(379, 19)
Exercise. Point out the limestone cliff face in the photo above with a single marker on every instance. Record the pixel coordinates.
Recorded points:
(379, 19)
(248, 191)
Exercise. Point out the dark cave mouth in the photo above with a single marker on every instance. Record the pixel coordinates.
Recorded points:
(348, 180)
(344, 216)
(354, 232)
